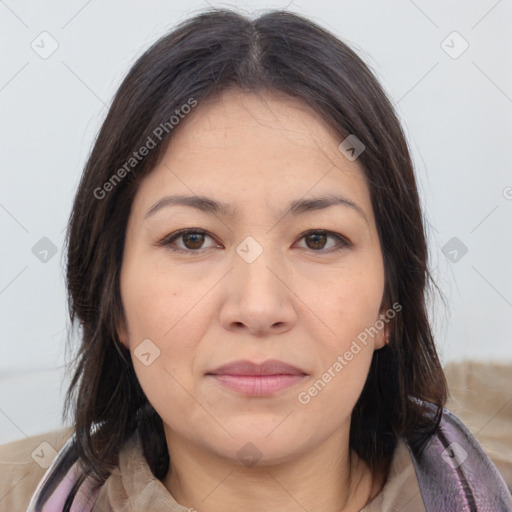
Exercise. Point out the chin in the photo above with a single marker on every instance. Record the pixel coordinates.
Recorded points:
(261, 454)
(255, 447)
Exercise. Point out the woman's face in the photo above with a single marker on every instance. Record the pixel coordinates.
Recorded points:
(252, 281)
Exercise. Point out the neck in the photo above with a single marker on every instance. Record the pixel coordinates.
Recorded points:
(206, 482)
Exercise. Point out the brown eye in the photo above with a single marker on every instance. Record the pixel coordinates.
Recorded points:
(318, 241)
(187, 240)
(193, 240)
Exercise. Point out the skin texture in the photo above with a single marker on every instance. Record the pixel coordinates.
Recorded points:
(299, 301)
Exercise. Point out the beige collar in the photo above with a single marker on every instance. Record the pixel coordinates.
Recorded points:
(133, 487)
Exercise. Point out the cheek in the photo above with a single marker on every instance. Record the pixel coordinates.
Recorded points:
(345, 354)
(155, 305)
(158, 312)
(351, 304)
(170, 314)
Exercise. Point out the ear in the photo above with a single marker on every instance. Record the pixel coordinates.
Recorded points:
(382, 338)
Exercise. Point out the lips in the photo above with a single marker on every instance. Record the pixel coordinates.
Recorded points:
(248, 368)
(257, 379)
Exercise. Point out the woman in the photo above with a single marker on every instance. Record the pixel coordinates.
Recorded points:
(248, 266)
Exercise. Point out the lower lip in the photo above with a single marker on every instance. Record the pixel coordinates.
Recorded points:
(258, 385)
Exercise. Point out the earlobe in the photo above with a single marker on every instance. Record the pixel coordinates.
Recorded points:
(382, 339)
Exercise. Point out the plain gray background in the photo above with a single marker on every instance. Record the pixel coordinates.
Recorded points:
(455, 104)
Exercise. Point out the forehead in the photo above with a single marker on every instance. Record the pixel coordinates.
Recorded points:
(250, 150)
(242, 123)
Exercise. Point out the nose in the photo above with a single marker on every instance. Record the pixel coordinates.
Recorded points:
(258, 299)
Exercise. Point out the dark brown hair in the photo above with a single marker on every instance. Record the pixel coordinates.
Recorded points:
(278, 51)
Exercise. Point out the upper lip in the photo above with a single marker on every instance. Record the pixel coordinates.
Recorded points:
(269, 367)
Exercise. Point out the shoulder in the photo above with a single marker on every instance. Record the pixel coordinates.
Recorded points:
(454, 473)
(23, 464)
(480, 397)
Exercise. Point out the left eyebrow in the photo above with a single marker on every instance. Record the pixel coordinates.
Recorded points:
(212, 207)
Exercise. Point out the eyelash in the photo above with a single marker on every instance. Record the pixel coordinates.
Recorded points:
(168, 241)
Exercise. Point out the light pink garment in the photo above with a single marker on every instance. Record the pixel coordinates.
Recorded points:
(83, 502)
